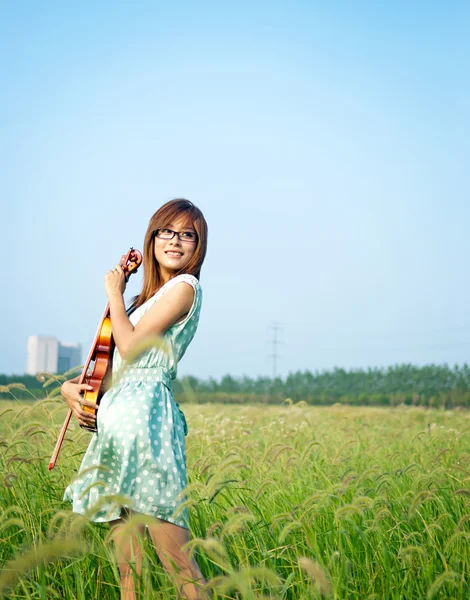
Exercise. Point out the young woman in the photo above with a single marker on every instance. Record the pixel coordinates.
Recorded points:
(139, 451)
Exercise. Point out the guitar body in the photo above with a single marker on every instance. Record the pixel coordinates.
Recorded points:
(102, 362)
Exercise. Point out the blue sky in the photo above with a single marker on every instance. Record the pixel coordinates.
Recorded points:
(326, 143)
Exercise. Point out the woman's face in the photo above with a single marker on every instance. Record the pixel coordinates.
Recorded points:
(174, 254)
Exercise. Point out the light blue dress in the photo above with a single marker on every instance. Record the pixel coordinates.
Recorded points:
(139, 451)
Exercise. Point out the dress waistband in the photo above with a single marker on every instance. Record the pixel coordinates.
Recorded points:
(144, 374)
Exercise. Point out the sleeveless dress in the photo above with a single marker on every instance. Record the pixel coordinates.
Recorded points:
(139, 451)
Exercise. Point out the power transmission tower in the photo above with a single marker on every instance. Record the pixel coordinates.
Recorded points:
(275, 329)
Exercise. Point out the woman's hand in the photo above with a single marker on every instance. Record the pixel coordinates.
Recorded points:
(72, 394)
(115, 282)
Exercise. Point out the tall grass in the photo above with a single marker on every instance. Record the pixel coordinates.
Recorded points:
(288, 502)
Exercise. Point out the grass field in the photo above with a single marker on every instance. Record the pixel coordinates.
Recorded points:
(288, 502)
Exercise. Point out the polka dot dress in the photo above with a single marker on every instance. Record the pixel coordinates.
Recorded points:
(137, 459)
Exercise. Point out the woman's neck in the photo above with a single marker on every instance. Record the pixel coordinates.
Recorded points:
(165, 276)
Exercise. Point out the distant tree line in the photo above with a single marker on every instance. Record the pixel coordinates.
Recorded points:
(430, 385)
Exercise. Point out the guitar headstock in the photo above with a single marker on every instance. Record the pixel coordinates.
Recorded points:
(131, 261)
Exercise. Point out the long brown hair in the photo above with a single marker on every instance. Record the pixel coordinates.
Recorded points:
(179, 208)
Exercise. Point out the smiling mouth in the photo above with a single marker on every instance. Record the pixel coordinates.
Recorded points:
(171, 253)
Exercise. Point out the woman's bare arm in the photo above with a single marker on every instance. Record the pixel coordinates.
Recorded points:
(157, 320)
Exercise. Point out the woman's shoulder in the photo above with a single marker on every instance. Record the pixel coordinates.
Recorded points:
(186, 277)
(193, 313)
(183, 277)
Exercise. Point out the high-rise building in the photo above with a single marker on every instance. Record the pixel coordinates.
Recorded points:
(43, 352)
(47, 355)
(70, 356)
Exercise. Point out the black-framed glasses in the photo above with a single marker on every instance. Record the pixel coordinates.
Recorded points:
(169, 234)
